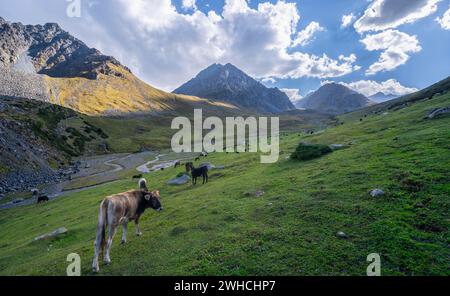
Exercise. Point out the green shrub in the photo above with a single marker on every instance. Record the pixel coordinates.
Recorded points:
(310, 151)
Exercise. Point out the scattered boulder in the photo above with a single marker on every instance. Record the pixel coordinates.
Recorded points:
(436, 112)
(53, 234)
(259, 193)
(376, 193)
(179, 180)
(210, 166)
(342, 235)
(337, 146)
(419, 205)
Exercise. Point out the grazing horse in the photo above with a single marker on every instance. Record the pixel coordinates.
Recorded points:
(137, 176)
(177, 164)
(203, 171)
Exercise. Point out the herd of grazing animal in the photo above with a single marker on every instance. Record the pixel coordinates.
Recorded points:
(120, 209)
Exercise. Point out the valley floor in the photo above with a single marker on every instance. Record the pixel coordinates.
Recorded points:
(279, 219)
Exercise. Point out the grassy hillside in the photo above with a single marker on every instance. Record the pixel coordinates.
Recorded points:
(112, 95)
(224, 228)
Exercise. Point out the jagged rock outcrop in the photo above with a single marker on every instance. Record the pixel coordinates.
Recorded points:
(52, 51)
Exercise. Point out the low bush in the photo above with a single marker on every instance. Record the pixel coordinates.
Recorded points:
(310, 151)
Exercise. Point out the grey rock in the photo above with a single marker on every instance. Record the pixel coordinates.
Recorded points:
(53, 234)
(337, 146)
(342, 235)
(210, 166)
(419, 205)
(179, 181)
(259, 193)
(433, 114)
(376, 193)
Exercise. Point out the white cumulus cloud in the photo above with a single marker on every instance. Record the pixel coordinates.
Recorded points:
(347, 20)
(444, 21)
(370, 87)
(258, 40)
(189, 4)
(293, 94)
(387, 14)
(395, 46)
(307, 35)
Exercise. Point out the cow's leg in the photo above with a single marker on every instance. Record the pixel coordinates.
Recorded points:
(138, 229)
(97, 247)
(124, 233)
(111, 233)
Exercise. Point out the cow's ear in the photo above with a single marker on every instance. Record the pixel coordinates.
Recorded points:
(147, 197)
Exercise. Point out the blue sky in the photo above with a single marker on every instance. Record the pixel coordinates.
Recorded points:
(394, 46)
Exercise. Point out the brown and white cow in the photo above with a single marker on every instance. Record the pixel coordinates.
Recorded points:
(118, 210)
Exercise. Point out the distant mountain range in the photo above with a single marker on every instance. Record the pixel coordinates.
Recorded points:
(333, 98)
(46, 63)
(229, 84)
(381, 97)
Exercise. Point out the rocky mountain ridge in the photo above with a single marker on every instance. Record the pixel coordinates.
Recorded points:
(229, 84)
(334, 98)
(52, 51)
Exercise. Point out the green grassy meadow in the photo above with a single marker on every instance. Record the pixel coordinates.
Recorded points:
(224, 228)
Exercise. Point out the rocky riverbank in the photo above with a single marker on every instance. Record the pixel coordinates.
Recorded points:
(26, 180)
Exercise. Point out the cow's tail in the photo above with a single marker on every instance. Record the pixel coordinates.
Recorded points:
(101, 227)
(143, 184)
